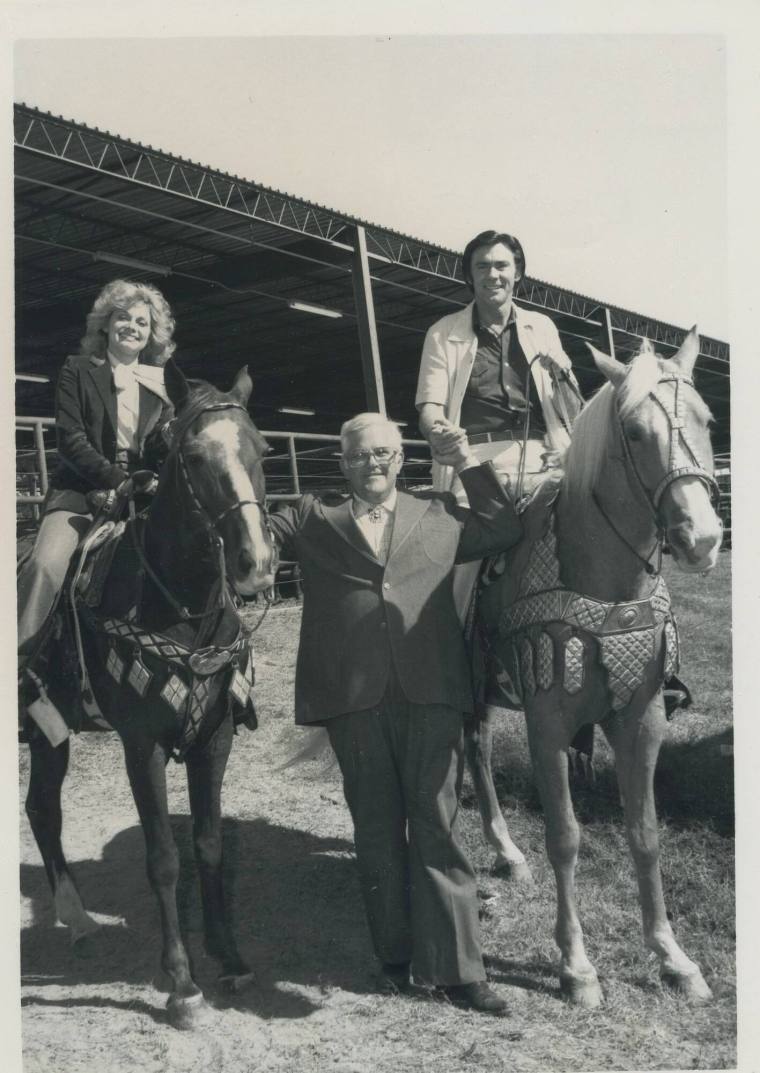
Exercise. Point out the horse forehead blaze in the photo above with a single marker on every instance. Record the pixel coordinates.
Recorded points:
(233, 451)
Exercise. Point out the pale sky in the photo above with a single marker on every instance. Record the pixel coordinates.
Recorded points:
(604, 154)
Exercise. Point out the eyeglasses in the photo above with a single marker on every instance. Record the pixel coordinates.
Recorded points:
(384, 455)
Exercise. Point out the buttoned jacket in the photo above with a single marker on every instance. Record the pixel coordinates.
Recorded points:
(448, 355)
(86, 431)
(362, 616)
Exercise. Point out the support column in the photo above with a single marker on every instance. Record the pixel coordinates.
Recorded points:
(608, 325)
(39, 443)
(365, 313)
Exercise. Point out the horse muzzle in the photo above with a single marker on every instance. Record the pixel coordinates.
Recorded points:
(695, 549)
(251, 573)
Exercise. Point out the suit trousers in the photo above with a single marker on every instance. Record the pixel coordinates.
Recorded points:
(42, 575)
(402, 767)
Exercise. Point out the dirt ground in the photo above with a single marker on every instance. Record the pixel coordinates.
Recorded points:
(295, 900)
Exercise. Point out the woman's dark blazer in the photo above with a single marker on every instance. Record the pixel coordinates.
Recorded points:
(86, 426)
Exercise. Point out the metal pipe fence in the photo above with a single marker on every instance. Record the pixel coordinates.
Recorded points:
(289, 473)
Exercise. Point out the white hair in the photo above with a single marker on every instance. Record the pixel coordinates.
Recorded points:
(369, 420)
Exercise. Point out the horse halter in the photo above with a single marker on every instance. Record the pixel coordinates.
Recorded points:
(210, 522)
(679, 448)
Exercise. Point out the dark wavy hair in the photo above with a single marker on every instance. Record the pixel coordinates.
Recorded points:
(121, 294)
(492, 238)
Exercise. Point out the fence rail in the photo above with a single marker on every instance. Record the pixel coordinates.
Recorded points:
(289, 473)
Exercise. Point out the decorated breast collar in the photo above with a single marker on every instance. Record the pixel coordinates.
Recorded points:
(628, 634)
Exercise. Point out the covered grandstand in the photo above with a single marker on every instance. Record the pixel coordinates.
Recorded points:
(329, 312)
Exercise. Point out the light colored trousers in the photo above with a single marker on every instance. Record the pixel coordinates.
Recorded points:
(43, 574)
(505, 457)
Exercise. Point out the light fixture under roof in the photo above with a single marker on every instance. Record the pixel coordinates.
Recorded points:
(33, 378)
(321, 311)
(131, 262)
(299, 411)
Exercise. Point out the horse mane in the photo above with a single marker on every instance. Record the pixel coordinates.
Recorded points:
(594, 428)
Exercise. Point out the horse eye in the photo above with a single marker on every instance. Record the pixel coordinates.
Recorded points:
(634, 433)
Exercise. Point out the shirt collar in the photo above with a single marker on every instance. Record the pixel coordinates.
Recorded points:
(362, 507)
(477, 326)
(149, 376)
(116, 364)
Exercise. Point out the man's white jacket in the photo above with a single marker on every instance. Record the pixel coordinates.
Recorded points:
(448, 355)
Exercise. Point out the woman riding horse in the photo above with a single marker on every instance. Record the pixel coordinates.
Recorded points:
(110, 398)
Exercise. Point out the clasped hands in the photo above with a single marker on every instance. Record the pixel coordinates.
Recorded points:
(449, 445)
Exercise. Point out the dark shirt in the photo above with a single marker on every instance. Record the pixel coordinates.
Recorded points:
(495, 398)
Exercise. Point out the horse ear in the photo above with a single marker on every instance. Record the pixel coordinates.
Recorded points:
(688, 352)
(176, 386)
(612, 369)
(242, 387)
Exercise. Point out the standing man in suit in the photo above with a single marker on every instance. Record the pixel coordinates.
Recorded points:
(110, 398)
(498, 372)
(382, 664)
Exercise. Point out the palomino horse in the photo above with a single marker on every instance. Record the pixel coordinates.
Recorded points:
(577, 618)
(170, 668)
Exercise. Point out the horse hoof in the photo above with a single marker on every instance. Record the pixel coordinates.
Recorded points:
(517, 872)
(691, 985)
(581, 991)
(234, 982)
(188, 1012)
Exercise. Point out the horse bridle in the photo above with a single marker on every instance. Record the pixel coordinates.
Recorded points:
(178, 429)
(678, 446)
(211, 522)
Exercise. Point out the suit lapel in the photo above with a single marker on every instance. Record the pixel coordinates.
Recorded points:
(409, 510)
(150, 408)
(342, 521)
(100, 371)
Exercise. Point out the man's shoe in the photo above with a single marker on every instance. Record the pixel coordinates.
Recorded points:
(477, 996)
(394, 978)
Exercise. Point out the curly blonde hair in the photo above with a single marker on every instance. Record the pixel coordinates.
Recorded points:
(121, 294)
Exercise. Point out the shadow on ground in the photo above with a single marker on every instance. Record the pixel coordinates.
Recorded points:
(694, 783)
(294, 900)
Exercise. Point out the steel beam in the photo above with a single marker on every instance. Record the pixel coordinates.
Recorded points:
(44, 136)
(365, 315)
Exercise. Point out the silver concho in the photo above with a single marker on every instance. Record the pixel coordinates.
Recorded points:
(208, 660)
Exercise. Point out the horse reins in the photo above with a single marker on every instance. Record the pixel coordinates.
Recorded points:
(526, 423)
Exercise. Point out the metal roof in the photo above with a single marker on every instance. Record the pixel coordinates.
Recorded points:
(230, 255)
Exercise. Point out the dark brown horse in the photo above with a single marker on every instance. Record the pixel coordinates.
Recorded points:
(169, 665)
(577, 618)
